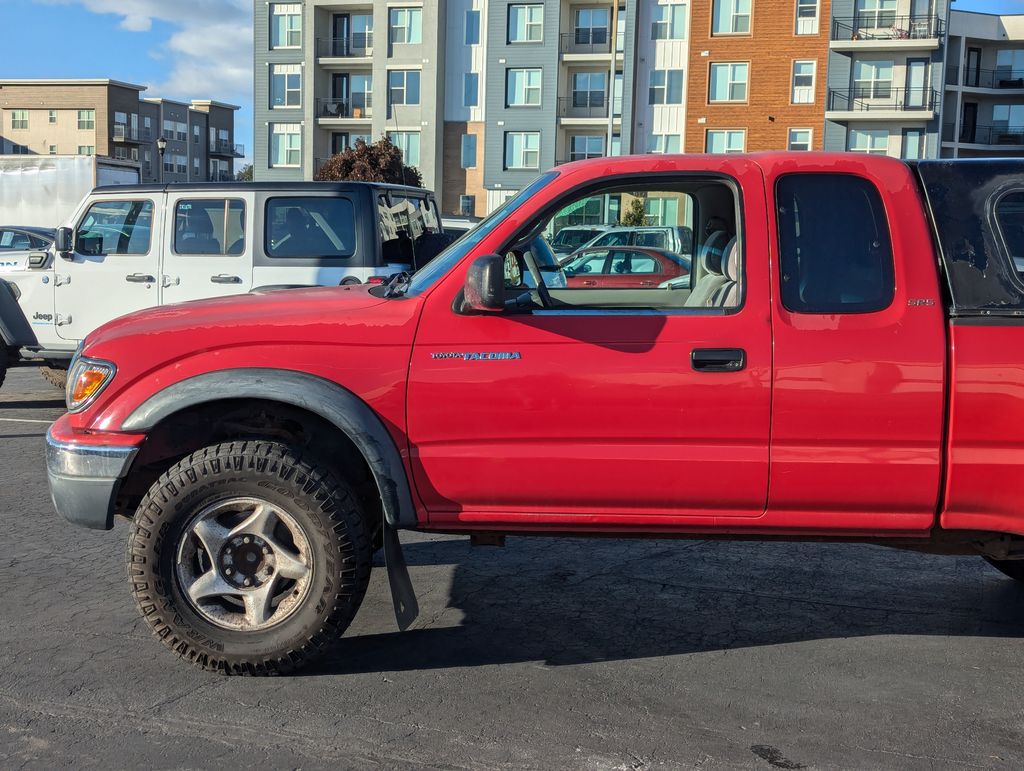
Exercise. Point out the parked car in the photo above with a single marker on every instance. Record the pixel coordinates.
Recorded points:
(847, 365)
(139, 246)
(625, 267)
(678, 239)
(18, 243)
(458, 226)
(572, 237)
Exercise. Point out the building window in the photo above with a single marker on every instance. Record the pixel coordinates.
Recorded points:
(181, 131)
(664, 143)
(522, 150)
(196, 134)
(588, 89)
(1009, 66)
(583, 147)
(285, 144)
(286, 25)
(669, 22)
(872, 79)
(169, 129)
(19, 119)
(1009, 120)
(807, 17)
(803, 82)
(913, 144)
(409, 143)
(871, 141)
(285, 85)
(470, 89)
(593, 26)
(729, 17)
(468, 151)
(472, 36)
(725, 141)
(406, 25)
(728, 82)
(87, 150)
(799, 139)
(52, 116)
(615, 146)
(404, 87)
(53, 149)
(86, 120)
(875, 14)
(522, 88)
(467, 205)
(666, 87)
(525, 23)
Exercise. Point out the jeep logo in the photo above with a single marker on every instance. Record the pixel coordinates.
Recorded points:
(43, 317)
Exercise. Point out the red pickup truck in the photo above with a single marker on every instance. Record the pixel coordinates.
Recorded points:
(846, 362)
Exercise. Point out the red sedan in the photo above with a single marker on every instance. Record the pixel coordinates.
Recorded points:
(624, 267)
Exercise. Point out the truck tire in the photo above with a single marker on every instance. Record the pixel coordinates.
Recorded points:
(248, 558)
(4, 358)
(1012, 568)
(55, 376)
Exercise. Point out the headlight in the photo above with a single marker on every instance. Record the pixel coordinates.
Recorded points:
(86, 380)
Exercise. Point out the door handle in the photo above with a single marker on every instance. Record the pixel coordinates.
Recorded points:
(718, 359)
(223, 278)
(139, 278)
(169, 281)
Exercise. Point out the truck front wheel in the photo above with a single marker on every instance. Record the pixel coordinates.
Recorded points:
(1011, 568)
(247, 558)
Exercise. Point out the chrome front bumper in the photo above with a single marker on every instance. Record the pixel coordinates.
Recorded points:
(84, 480)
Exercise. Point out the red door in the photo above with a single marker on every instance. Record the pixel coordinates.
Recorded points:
(594, 419)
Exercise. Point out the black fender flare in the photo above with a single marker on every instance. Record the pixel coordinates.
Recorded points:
(15, 331)
(332, 402)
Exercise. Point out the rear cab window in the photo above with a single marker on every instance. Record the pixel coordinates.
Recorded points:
(1009, 211)
(314, 226)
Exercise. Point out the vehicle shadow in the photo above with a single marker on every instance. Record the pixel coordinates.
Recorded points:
(13, 404)
(564, 601)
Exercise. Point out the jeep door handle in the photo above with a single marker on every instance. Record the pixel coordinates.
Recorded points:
(718, 359)
(223, 278)
(139, 278)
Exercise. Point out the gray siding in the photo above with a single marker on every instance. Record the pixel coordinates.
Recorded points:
(628, 77)
(263, 115)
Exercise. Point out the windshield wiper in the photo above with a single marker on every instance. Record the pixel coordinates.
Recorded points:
(397, 284)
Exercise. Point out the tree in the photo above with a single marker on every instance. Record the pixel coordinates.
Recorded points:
(636, 214)
(244, 174)
(377, 162)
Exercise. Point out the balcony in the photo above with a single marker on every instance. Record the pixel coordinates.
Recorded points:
(992, 136)
(1001, 79)
(357, 45)
(884, 30)
(222, 176)
(882, 102)
(123, 133)
(583, 105)
(586, 40)
(226, 148)
(359, 107)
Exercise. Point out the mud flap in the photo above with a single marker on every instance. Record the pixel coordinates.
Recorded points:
(402, 593)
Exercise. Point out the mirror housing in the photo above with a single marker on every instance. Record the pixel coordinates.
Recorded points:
(63, 242)
(484, 291)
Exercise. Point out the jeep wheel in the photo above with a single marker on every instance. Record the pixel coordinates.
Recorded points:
(1012, 568)
(55, 376)
(247, 558)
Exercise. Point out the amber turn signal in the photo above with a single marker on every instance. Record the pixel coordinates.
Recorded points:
(86, 380)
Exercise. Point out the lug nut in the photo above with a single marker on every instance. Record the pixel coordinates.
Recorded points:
(245, 540)
(248, 582)
(266, 550)
(228, 571)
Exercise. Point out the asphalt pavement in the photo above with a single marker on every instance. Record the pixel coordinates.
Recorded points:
(550, 653)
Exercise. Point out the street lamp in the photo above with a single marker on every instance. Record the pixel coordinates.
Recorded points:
(161, 148)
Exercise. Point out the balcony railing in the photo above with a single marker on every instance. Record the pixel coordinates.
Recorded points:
(356, 44)
(878, 98)
(222, 176)
(999, 78)
(886, 25)
(583, 104)
(123, 133)
(225, 147)
(586, 40)
(1003, 136)
(357, 107)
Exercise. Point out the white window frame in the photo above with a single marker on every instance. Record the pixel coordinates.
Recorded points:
(402, 19)
(532, 23)
(87, 150)
(870, 147)
(404, 87)
(513, 90)
(51, 117)
(291, 151)
(663, 144)
(292, 13)
(882, 11)
(577, 26)
(403, 141)
(790, 143)
(524, 162)
(284, 73)
(52, 149)
(729, 135)
(668, 21)
(803, 93)
(19, 120)
(589, 146)
(736, 15)
(659, 90)
(807, 23)
(732, 81)
(874, 81)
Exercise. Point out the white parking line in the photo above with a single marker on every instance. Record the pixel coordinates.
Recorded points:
(24, 420)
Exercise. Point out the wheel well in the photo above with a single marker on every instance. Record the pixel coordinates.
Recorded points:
(182, 433)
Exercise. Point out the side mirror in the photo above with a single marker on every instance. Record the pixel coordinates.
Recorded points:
(63, 243)
(485, 285)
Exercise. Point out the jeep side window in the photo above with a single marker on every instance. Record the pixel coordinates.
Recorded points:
(314, 226)
(834, 247)
(115, 227)
(209, 227)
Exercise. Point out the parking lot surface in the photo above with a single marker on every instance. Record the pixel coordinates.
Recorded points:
(550, 653)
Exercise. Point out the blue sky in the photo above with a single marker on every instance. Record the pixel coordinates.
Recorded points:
(990, 6)
(181, 49)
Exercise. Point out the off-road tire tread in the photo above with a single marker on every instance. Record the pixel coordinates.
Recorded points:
(55, 376)
(1012, 568)
(157, 607)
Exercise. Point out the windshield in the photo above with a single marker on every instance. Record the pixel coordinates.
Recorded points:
(572, 237)
(426, 278)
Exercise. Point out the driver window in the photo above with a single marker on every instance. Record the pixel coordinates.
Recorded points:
(665, 246)
(115, 227)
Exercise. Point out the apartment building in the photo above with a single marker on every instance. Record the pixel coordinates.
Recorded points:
(983, 112)
(113, 119)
